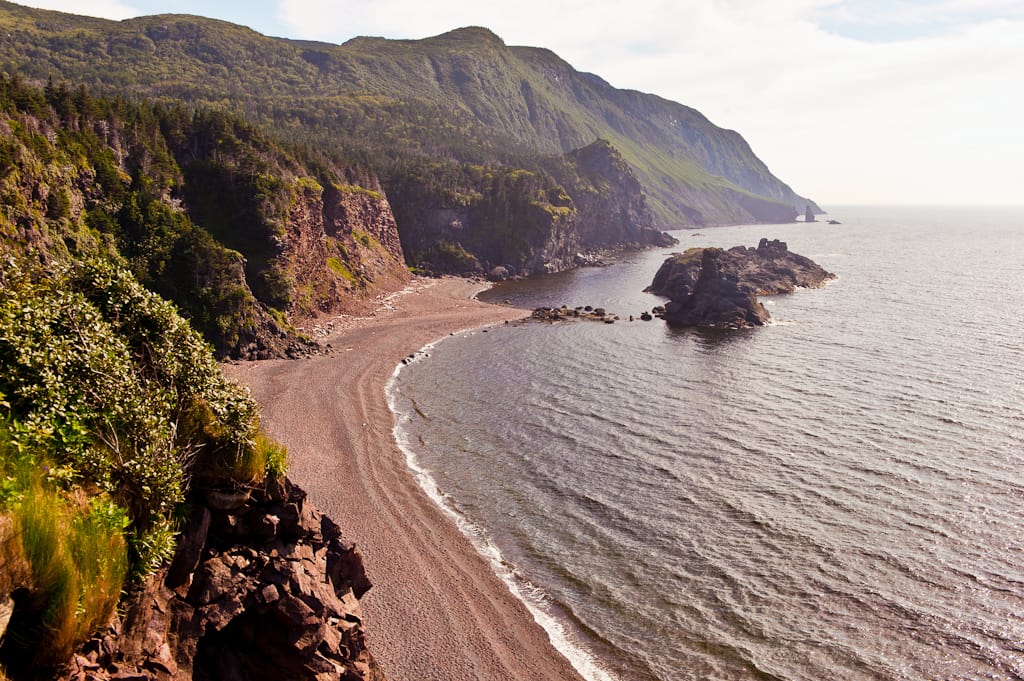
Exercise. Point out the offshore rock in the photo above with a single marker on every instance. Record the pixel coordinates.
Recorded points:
(711, 287)
(268, 592)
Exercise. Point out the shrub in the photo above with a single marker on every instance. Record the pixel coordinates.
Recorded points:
(108, 377)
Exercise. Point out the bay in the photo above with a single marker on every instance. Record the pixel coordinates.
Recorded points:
(834, 496)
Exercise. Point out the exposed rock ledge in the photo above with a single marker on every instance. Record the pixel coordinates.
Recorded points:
(711, 287)
(268, 591)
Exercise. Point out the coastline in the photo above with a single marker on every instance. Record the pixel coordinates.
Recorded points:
(437, 609)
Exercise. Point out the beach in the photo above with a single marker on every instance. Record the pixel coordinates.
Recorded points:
(436, 609)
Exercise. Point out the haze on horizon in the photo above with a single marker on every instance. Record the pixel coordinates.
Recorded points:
(848, 101)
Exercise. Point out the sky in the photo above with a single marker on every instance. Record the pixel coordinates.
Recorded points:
(913, 102)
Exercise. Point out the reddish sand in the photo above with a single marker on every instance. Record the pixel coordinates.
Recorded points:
(436, 610)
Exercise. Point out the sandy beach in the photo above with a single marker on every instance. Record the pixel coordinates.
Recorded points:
(436, 610)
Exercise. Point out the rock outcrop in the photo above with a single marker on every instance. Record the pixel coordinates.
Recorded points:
(267, 591)
(711, 287)
(340, 249)
(515, 222)
(611, 207)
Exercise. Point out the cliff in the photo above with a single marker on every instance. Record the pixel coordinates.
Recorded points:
(267, 590)
(505, 222)
(711, 287)
(249, 238)
(464, 96)
(138, 480)
(611, 207)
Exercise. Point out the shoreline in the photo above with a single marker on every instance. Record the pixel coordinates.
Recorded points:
(586, 664)
(437, 609)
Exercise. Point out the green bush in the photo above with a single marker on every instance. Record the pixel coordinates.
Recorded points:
(109, 379)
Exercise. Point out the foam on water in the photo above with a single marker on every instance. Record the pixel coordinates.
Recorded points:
(532, 596)
(835, 496)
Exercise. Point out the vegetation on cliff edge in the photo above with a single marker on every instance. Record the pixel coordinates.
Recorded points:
(196, 203)
(112, 411)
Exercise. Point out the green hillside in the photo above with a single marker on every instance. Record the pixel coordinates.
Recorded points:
(238, 231)
(462, 96)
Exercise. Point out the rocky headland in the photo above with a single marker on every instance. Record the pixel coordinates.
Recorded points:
(716, 288)
(260, 588)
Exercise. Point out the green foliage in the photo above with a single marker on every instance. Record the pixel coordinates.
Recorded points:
(357, 189)
(112, 406)
(263, 459)
(338, 267)
(366, 240)
(275, 456)
(309, 184)
(107, 376)
(453, 257)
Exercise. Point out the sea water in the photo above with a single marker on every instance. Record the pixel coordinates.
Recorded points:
(838, 495)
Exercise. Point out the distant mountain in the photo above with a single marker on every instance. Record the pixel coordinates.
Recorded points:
(463, 97)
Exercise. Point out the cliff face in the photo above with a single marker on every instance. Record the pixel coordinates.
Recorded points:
(341, 248)
(267, 590)
(711, 287)
(611, 207)
(245, 236)
(514, 222)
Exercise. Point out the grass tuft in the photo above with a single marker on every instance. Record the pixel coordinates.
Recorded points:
(77, 565)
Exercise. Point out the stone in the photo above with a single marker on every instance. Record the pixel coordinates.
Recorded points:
(190, 549)
(329, 529)
(345, 569)
(266, 527)
(253, 608)
(6, 610)
(270, 594)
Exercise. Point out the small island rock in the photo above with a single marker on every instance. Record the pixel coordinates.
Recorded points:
(712, 287)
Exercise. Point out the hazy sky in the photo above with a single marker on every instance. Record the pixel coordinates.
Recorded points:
(849, 101)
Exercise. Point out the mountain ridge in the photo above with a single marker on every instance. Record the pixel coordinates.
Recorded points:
(462, 95)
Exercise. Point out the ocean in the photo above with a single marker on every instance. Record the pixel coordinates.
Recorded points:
(838, 495)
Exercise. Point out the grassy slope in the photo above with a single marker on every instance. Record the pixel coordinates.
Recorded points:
(463, 94)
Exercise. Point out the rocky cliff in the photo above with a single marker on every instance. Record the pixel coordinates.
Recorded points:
(508, 222)
(711, 287)
(260, 588)
(249, 238)
(611, 208)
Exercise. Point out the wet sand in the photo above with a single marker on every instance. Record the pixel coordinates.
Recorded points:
(436, 610)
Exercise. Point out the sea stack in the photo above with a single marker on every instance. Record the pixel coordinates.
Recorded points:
(809, 214)
(711, 287)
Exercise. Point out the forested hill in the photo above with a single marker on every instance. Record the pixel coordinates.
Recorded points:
(245, 235)
(461, 97)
